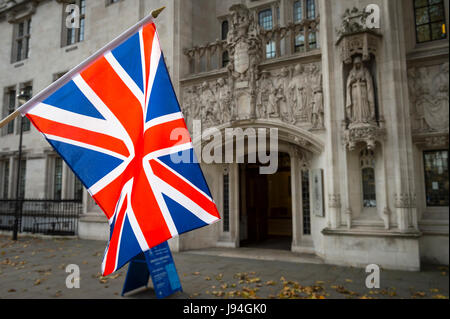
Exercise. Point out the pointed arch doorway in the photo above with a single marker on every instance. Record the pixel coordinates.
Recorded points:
(265, 219)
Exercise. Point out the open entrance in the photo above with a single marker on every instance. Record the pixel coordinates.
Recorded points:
(266, 206)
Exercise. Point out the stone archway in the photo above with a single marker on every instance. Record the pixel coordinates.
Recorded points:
(301, 147)
(265, 212)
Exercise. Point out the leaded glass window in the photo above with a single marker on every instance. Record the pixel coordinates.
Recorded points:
(367, 162)
(430, 20)
(436, 177)
(225, 29)
(305, 203)
(265, 19)
(270, 50)
(311, 9)
(298, 11)
(300, 43)
(226, 205)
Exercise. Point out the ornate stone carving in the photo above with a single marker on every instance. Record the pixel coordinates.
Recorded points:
(405, 200)
(334, 200)
(298, 88)
(360, 98)
(355, 38)
(428, 91)
(224, 101)
(365, 133)
(353, 21)
(359, 47)
(360, 108)
(292, 95)
(282, 83)
(266, 91)
(437, 141)
(19, 9)
(209, 106)
(317, 116)
(295, 95)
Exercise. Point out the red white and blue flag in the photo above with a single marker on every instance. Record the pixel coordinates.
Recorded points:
(112, 123)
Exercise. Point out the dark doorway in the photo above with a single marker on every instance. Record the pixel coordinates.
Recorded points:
(266, 206)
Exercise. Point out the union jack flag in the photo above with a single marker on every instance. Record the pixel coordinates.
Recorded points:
(112, 123)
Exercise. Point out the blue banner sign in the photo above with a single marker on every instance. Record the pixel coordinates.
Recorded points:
(157, 263)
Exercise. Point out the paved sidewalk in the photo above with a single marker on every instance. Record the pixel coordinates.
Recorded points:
(35, 268)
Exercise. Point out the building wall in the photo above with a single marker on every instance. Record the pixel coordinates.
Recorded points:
(398, 233)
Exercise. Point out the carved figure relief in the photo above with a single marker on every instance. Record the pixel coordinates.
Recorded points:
(360, 98)
(428, 90)
(265, 90)
(317, 99)
(289, 94)
(223, 94)
(209, 105)
(283, 82)
(299, 95)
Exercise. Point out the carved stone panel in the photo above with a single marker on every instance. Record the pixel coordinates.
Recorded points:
(290, 95)
(241, 57)
(317, 192)
(428, 92)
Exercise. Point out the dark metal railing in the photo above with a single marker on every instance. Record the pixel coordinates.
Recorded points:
(43, 216)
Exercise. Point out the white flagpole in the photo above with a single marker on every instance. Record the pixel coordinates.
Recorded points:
(52, 88)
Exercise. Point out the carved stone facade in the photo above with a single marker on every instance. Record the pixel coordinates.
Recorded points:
(428, 92)
(327, 83)
(292, 95)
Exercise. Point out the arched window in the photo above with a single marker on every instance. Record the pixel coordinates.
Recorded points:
(298, 11)
(312, 40)
(311, 9)
(225, 59)
(224, 29)
(265, 19)
(367, 162)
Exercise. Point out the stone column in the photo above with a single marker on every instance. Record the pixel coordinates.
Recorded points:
(296, 196)
(332, 109)
(234, 203)
(395, 99)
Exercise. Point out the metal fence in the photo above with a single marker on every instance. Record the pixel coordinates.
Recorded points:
(43, 216)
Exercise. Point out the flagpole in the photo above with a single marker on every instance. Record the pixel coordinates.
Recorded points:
(68, 76)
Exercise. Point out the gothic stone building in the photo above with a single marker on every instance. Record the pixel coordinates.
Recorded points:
(357, 90)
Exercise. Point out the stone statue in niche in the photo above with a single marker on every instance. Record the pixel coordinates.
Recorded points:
(360, 98)
(317, 98)
(283, 83)
(224, 100)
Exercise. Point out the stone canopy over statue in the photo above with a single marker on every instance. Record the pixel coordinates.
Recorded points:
(360, 98)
